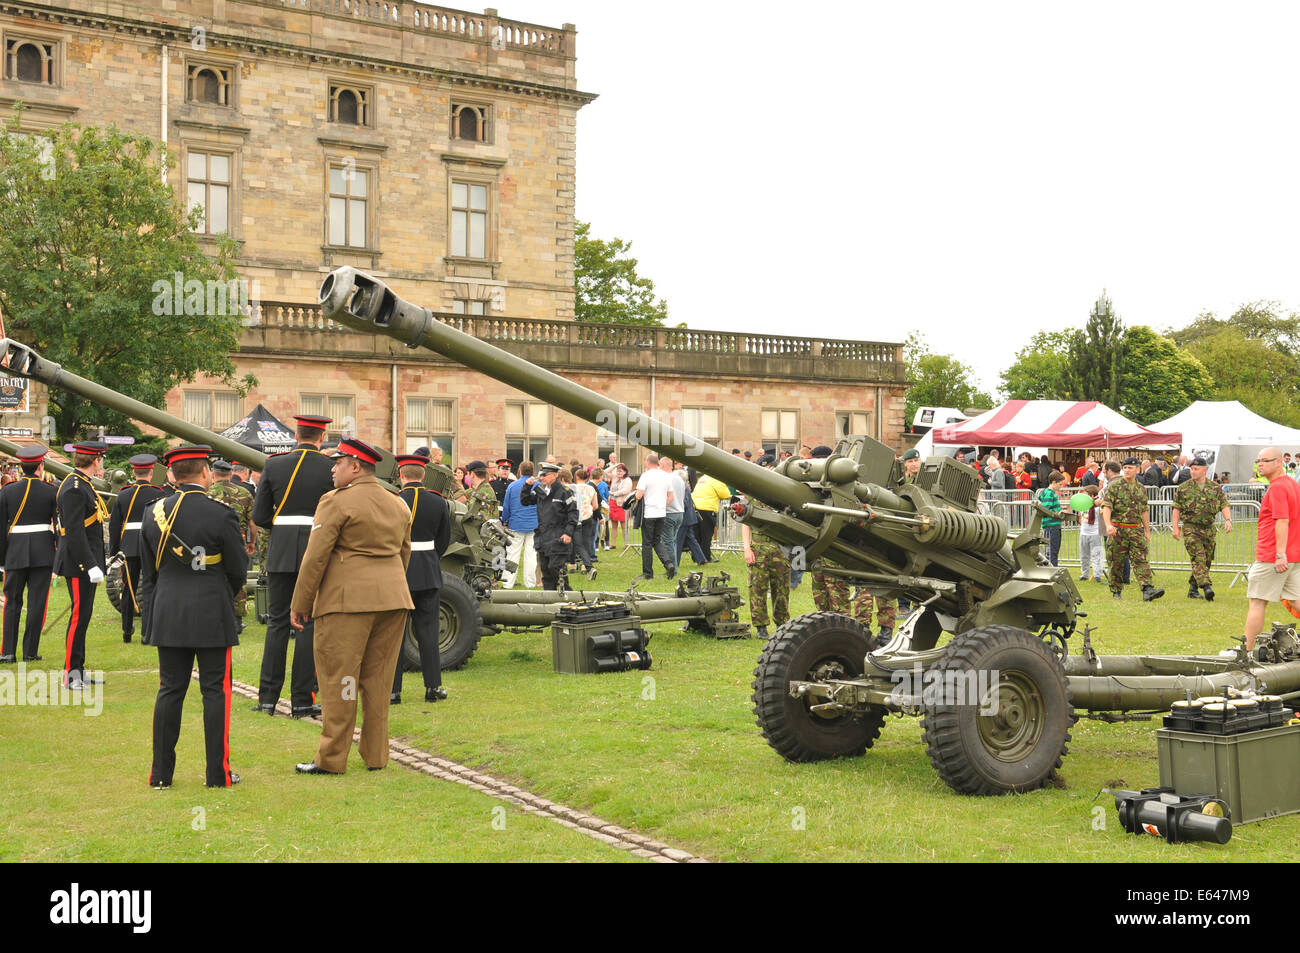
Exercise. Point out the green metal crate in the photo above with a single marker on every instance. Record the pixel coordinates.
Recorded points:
(1257, 773)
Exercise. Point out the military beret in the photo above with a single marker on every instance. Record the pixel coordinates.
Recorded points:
(475, 465)
(1131, 462)
(748, 455)
(1200, 462)
(912, 454)
(422, 452)
(222, 466)
(821, 451)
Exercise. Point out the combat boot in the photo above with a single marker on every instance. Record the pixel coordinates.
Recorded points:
(1209, 592)
(1193, 592)
(761, 631)
(884, 635)
(1151, 593)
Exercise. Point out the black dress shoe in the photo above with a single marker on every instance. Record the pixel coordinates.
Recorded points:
(395, 698)
(234, 779)
(126, 636)
(438, 694)
(160, 785)
(265, 708)
(311, 767)
(8, 659)
(379, 768)
(33, 658)
(311, 711)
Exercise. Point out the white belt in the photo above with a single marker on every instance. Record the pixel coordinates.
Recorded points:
(293, 521)
(421, 546)
(129, 526)
(33, 528)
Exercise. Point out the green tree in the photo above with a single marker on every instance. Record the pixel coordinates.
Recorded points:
(1158, 378)
(1096, 356)
(608, 288)
(938, 380)
(1041, 370)
(86, 232)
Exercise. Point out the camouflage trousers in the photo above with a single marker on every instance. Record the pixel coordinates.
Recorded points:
(241, 603)
(1200, 541)
(886, 609)
(263, 537)
(830, 593)
(1128, 541)
(770, 574)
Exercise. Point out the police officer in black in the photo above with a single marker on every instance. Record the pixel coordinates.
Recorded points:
(430, 533)
(192, 561)
(124, 537)
(292, 484)
(80, 556)
(557, 523)
(27, 514)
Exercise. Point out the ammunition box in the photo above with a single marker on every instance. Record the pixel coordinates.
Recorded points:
(615, 643)
(1256, 773)
(260, 597)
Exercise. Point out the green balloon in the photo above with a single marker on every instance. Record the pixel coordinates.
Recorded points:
(1081, 502)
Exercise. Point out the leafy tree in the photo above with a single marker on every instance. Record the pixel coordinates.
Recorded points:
(1158, 378)
(1097, 355)
(938, 380)
(87, 230)
(1041, 370)
(609, 290)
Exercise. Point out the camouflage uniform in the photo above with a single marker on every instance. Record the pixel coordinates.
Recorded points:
(886, 609)
(830, 593)
(769, 573)
(1128, 504)
(482, 500)
(1197, 506)
(241, 501)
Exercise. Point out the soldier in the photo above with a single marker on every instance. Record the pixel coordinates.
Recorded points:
(292, 484)
(1196, 501)
(241, 475)
(124, 537)
(353, 580)
(830, 593)
(27, 512)
(557, 523)
(80, 556)
(886, 613)
(769, 572)
(503, 480)
(238, 498)
(911, 465)
(1128, 528)
(192, 560)
(430, 534)
(480, 497)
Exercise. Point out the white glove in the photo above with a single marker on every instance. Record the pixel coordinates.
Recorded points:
(96, 575)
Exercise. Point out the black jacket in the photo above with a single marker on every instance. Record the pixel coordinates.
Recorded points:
(26, 550)
(557, 515)
(430, 523)
(313, 480)
(186, 591)
(127, 509)
(81, 527)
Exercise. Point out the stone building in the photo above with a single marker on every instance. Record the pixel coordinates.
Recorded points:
(434, 148)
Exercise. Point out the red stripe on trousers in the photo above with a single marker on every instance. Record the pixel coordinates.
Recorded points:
(225, 741)
(72, 624)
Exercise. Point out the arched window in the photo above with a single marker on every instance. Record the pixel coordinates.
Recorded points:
(209, 84)
(31, 61)
(469, 122)
(350, 104)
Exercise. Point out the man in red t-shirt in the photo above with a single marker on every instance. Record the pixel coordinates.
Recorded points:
(1274, 575)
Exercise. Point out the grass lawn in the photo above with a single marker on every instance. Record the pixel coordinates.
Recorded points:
(672, 753)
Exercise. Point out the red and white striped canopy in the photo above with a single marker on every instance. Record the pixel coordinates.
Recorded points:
(1058, 424)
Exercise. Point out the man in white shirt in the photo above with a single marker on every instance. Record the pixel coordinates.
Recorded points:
(675, 511)
(654, 490)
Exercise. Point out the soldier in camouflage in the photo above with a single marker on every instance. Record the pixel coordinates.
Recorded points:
(480, 498)
(1196, 501)
(886, 612)
(239, 499)
(1128, 527)
(769, 572)
(830, 593)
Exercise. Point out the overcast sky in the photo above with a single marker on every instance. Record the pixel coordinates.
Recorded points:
(974, 171)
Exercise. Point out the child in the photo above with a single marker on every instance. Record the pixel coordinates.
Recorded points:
(1050, 497)
(1092, 555)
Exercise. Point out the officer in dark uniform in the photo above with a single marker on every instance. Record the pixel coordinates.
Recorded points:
(502, 482)
(557, 522)
(80, 556)
(430, 534)
(124, 536)
(27, 512)
(193, 560)
(292, 484)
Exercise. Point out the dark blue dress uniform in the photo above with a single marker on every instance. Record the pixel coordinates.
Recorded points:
(430, 534)
(291, 486)
(27, 544)
(192, 562)
(124, 537)
(80, 558)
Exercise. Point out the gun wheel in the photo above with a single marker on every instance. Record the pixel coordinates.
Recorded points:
(822, 645)
(460, 623)
(1019, 745)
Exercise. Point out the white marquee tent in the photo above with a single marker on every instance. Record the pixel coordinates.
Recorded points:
(1231, 433)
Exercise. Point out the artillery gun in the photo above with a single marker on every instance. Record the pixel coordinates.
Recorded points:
(475, 558)
(998, 698)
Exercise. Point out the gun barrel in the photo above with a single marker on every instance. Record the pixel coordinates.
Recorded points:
(56, 468)
(366, 304)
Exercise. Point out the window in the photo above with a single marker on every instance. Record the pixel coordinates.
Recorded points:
(471, 122)
(212, 410)
(466, 306)
(350, 104)
(703, 422)
(852, 423)
(32, 61)
(528, 431)
(349, 196)
(469, 219)
(781, 430)
(429, 422)
(208, 84)
(340, 409)
(207, 177)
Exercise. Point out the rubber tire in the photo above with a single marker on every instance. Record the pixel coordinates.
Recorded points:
(115, 586)
(790, 655)
(460, 626)
(951, 732)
